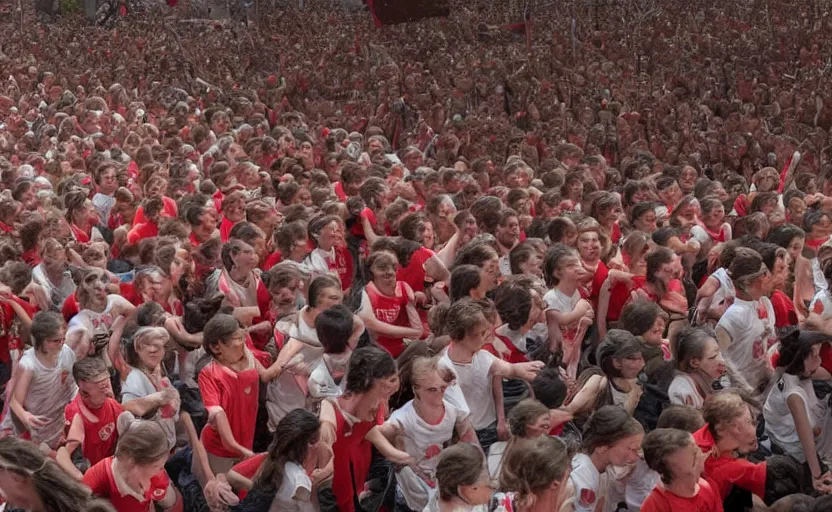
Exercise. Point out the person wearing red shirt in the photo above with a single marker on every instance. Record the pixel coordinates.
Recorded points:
(91, 417)
(134, 480)
(149, 228)
(230, 387)
(233, 211)
(730, 428)
(156, 186)
(675, 456)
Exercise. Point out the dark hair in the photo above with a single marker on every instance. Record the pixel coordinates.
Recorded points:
(617, 344)
(463, 316)
(532, 465)
(783, 235)
(366, 366)
(247, 232)
(514, 304)
(549, 388)
(655, 259)
(640, 209)
(476, 254)
(607, 426)
(149, 313)
(288, 234)
(460, 464)
(44, 325)
(292, 437)
(88, 369)
(660, 443)
(334, 327)
(521, 253)
(464, 278)
(143, 441)
(557, 253)
(230, 249)
(683, 417)
(638, 316)
(795, 346)
(524, 413)
(558, 227)
(218, 330)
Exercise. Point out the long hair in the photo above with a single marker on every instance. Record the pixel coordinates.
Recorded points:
(291, 441)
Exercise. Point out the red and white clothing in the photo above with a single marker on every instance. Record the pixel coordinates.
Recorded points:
(725, 471)
(390, 310)
(471, 391)
(137, 384)
(142, 231)
(750, 325)
(225, 228)
(237, 395)
(352, 455)
(100, 432)
(703, 235)
(423, 442)
(707, 499)
(586, 480)
(248, 468)
(337, 261)
(105, 481)
(508, 345)
(780, 424)
(169, 209)
(556, 300)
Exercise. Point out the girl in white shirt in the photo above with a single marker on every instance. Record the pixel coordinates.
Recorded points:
(287, 480)
(462, 481)
(698, 362)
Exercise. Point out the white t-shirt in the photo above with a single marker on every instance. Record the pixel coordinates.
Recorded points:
(586, 480)
(629, 485)
(295, 493)
(505, 265)
(495, 458)
(318, 261)
(726, 288)
(822, 304)
(58, 292)
(817, 276)
(750, 324)
(321, 383)
(559, 301)
(471, 393)
(91, 323)
(780, 422)
(682, 391)
(424, 443)
(138, 385)
(50, 391)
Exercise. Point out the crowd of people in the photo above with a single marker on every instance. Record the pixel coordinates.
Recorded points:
(579, 263)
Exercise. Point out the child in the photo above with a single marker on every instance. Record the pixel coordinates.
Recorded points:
(134, 479)
(230, 387)
(568, 315)
(91, 417)
(334, 327)
(675, 456)
(473, 368)
(44, 385)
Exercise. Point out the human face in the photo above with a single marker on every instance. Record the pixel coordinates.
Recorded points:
(430, 389)
(780, 274)
(686, 464)
(744, 431)
(151, 352)
(812, 361)
(569, 271)
(687, 215)
(208, 219)
(479, 493)
(95, 392)
(375, 145)
(489, 272)
(625, 451)
(330, 236)
(235, 211)
(53, 344)
(688, 179)
(533, 267)
(665, 273)
(539, 427)
(514, 180)
(654, 335)
(231, 350)
(138, 476)
(715, 216)
(96, 284)
(630, 366)
(509, 234)
(763, 285)
(384, 272)
(107, 183)
(671, 195)
(286, 297)
(479, 335)
(428, 235)
(795, 247)
(246, 259)
(299, 249)
(18, 490)
(570, 238)
(589, 246)
(303, 197)
(329, 297)
(712, 363)
(179, 266)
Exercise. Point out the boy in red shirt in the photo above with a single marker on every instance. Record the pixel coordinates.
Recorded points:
(91, 417)
(675, 456)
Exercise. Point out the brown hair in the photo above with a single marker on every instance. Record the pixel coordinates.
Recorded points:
(661, 443)
(533, 465)
(142, 441)
(460, 464)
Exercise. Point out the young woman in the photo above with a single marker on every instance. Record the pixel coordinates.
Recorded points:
(699, 364)
(426, 424)
(712, 228)
(44, 385)
(590, 249)
(233, 212)
(791, 238)
(82, 217)
(331, 253)
(300, 350)
(134, 479)
(673, 454)
(482, 254)
(534, 477)
(145, 389)
(796, 420)
(462, 483)
(606, 209)
(241, 285)
(289, 474)
(615, 292)
(89, 330)
(620, 358)
(717, 293)
(611, 438)
(746, 331)
(52, 273)
(661, 284)
(568, 316)
(388, 306)
(529, 419)
(336, 328)
(33, 481)
(292, 243)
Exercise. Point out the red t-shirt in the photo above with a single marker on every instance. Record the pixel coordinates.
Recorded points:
(342, 265)
(237, 394)
(784, 312)
(390, 310)
(248, 468)
(225, 229)
(414, 273)
(706, 500)
(10, 327)
(339, 191)
(101, 480)
(194, 242)
(514, 355)
(142, 231)
(99, 437)
(271, 260)
(358, 228)
(726, 471)
(592, 292)
(169, 209)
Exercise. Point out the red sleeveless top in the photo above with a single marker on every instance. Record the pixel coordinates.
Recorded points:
(390, 310)
(352, 455)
